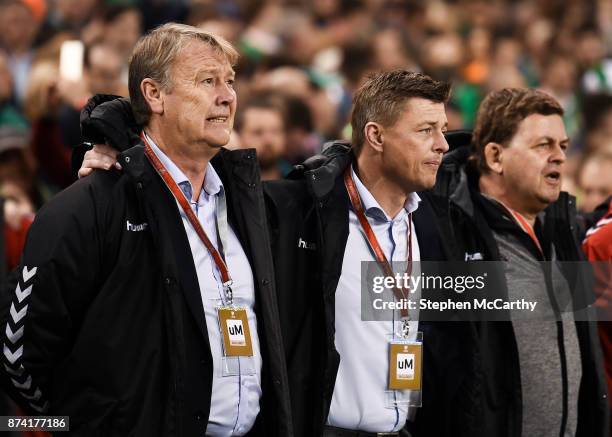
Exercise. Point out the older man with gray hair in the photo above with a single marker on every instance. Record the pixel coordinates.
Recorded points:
(144, 304)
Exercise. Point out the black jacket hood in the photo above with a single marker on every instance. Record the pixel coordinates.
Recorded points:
(109, 119)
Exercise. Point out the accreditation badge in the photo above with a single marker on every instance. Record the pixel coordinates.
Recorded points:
(234, 325)
(405, 365)
(405, 372)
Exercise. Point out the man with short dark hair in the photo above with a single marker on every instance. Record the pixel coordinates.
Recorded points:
(594, 179)
(503, 202)
(260, 124)
(398, 125)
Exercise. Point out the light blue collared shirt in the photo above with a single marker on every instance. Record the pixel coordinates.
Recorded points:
(234, 402)
(358, 401)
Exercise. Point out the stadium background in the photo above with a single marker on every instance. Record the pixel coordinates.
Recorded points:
(308, 56)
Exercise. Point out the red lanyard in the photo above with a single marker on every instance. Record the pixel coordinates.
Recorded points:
(180, 197)
(373, 241)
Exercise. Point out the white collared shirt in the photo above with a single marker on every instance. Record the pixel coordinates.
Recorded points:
(234, 402)
(358, 401)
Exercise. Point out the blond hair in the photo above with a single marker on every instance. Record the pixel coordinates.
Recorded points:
(155, 54)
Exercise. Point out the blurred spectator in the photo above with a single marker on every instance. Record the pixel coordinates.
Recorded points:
(604, 20)
(261, 126)
(312, 114)
(391, 52)
(122, 28)
(18, 215)
(598, 123)
(53, 105)
(104, 66)
(42, 105)
(16, 173)
(479, 51)
(592, 54)
(39, 99)
(443, 55)
(102, 74)
(9, 115)
(302, 142)
(537, 39)
(507, 63)
(333, 23)
(19, 196)
(19, 27)
(117, 25)
(594, 181)
(17, 189)
(67, 16)
(559, 79)
(356, 64)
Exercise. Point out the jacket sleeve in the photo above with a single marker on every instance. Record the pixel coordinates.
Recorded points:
(44, 300)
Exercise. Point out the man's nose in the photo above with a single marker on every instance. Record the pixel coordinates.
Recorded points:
(226, 95)
(440, 144)
(558, 156)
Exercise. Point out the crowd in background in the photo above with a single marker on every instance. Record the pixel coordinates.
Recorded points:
(301, 61)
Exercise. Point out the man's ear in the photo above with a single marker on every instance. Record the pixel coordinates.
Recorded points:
(494, 156)
(152, 93)
(374, 135)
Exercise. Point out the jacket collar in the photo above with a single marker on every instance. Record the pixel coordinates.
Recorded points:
(243, 161)
(212, 185)
(372, 207)
(456, 181)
